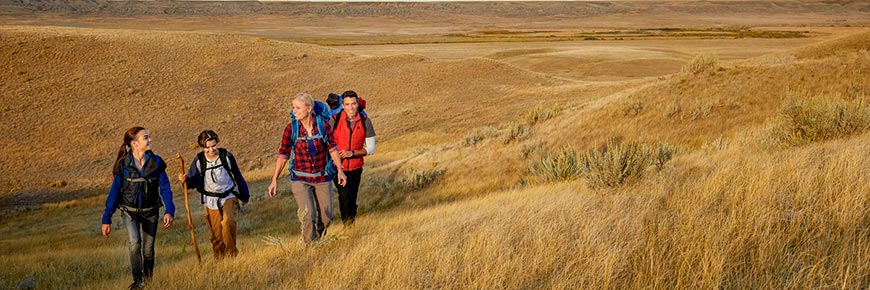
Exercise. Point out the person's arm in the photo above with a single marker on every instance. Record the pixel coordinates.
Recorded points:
(281, 160)
(333, 153)
(241, 184)
(279, 166)
(369, 147)
(166, 196)
(194, 179)
(112, 201)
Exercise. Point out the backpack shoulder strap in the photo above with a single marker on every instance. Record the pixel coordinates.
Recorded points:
(222, 154)
(321, 126)
(201, 159)
(362, 121)
(294, 134)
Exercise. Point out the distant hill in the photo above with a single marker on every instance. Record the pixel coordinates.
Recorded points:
(430, 9)
(69, 94)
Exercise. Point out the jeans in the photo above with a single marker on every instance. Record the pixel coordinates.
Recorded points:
(141, 229)
(347, 195)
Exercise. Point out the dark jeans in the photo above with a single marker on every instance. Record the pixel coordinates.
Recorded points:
(141, 228)
(347, 195)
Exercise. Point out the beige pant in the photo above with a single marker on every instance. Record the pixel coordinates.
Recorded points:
(315, 208)
(223, 229)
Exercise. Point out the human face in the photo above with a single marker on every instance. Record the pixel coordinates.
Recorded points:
(351, 107)
(142, 142)
(210, 149)
(300, 109)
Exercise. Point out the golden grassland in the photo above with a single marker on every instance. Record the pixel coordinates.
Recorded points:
(739, 217)
(736, 207)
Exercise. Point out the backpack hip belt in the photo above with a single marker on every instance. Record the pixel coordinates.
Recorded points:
(127, 208)
(220, 194)
(306, 174)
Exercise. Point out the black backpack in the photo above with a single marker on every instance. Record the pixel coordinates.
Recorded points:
(222, 155)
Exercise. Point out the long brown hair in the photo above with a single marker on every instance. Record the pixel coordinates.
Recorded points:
(129, 136)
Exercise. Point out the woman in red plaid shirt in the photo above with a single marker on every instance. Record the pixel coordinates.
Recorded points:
(311, 186)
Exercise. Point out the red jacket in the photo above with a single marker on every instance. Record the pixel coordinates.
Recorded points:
(346, 139)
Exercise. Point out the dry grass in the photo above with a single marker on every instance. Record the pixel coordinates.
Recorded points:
(694, 109)
(794, 218)
(441, 212)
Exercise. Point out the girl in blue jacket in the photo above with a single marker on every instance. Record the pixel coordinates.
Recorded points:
(140, 187)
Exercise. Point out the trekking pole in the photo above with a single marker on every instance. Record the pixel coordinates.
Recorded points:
(187, 207)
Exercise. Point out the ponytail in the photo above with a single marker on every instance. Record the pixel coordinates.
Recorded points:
(129, 136)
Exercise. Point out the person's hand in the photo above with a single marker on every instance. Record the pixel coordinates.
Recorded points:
(107, 229)
(273, 188)
(342, 179)
(167, 220)
(345, 153)
(182, 178)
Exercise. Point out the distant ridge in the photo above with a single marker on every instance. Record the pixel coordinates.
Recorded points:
(417, 9)
(851, 43)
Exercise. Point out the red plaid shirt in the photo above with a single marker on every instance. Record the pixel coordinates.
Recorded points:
(302, 160)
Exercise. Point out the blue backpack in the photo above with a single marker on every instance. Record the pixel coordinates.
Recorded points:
(333, 97)
(321, 114)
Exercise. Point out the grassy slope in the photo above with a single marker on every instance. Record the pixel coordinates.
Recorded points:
(738, 217)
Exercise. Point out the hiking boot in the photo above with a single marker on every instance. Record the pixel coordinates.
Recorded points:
(137, 285)
(149, 269)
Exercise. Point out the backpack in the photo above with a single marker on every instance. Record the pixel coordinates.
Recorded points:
(321, 114)
(335, 112)
(222, 155)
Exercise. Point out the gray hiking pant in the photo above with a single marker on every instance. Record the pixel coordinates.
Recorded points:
(315, 207)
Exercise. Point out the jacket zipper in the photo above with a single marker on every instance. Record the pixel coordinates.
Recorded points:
(349, 141)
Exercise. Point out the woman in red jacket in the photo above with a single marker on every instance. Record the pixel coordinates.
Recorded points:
(355, 137)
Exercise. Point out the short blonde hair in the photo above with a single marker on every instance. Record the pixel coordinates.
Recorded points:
(306, 98)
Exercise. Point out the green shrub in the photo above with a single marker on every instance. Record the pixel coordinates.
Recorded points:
(701, 63)
(561, 165)
(806, 120)
(529, 149)
(538, 114)
(618, 163)
(672, 109)
(631, 108)
(517, 131)
(419, 179)
(663, 153)
(479, 134)
(717, 144)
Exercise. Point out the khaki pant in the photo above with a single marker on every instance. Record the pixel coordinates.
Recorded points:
(315, 208)
(223, 229)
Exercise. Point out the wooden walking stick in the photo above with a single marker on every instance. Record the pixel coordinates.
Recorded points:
(187, 207)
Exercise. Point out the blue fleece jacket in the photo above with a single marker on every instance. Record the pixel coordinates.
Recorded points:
(113, 198)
